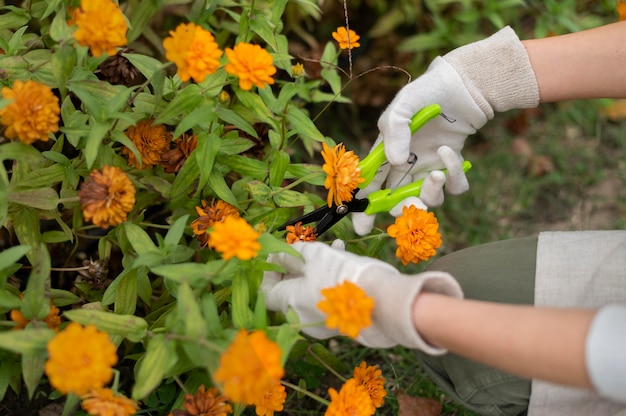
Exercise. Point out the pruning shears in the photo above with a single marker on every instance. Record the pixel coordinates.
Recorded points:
(382, 200)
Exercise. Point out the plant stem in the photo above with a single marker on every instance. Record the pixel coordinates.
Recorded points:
(305, 392)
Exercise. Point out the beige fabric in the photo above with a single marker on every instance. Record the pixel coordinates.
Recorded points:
(578, 269)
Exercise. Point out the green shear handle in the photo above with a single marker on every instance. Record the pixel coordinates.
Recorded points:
(385, 199)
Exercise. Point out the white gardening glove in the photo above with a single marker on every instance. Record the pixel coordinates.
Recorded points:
(470, 84)
(322, 266)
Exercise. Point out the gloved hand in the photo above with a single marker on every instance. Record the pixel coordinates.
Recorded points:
(322, 266)
(470, 84)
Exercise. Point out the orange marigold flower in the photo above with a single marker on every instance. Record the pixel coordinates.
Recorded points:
(343, 174)
(33, 111)
(101, 26)
(371, 378)
(272, 401)
(249, 367)
(104, 402)
(348, 308)
(206, 403)
(252, 64)
(194, 51)
(621, 10)
(80, 359)
(53, 320)
(234, 237)
(347, 39)
(209, 215)
(417, 235)
(107, 197)
(151, 141)
(351, 400)
(299, 233)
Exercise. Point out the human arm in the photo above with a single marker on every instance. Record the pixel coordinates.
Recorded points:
(531, 342)
(580, 65)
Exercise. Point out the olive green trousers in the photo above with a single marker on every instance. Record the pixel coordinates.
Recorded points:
(502, 271)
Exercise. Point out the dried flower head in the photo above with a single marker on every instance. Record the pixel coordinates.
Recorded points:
(151, 141)
(194, 51)
(104, 402)
(234, 237)
(351, 400)
(80, 359)
(299, 233)
(33, 112)
(52, 321)
(249, 367)
(101, 26)
(371, 378)
(118, 70)
(347, 39)
(347, 308)
(417, 235)
(252, 64)
(206, 403)
(209, 215)
(272, 401)
(107, 197)
(173, 159)
(343, 174)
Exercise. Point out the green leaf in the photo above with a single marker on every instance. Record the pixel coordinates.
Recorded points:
(229, 116)
(254, 103)
(205, 153)
(218, 185)
(32, 370)
(21, 152)
(138, 238)
(183, 186)
(272, 244)
(147, 65)
(15, 18)
(245, 165)
(185, 101)
(43, 198)
(10, 256)
(44, 177)
(241, 313)
(139, 14)
(189, 314)
(176, 231)
(197, 274)
(27, 341)
(328, 358)
(289, 198)
(278, 167)
(160, 357)
(208, 305)
(35, 303)
(126, 293)
(97, 132)
(286, 339)
(129, 326)
(303, 125)
(259, 191)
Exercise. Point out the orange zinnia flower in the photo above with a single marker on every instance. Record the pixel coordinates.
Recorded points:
(351, 400)
(209, 215)
(101, 26)
(417, 235)
(343, 174)
(194, 51)
(33, 111)
(206, 403)
(272, 401)
(299, 233)
(151, 141)
(107, 197)
(252, 64)
(53, 320)
(234, 237)
(347, 39)
(249, 368)
(621, 10)
(173, 159)
(371, 378)
(104, 402)
(348, 308)
(80, 359)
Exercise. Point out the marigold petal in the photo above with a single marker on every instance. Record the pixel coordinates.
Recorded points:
(252, 64)
(347, 308)
(101, 26)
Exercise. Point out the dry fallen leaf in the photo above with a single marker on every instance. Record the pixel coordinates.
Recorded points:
(417, 406)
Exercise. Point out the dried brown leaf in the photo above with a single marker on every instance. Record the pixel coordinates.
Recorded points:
(417, 406)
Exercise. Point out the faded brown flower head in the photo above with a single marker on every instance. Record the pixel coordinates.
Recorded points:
(107, 197)
(174, 159)
(299, 233)
(206, 403)
(209, 215)
(118, 70)
(151, 141)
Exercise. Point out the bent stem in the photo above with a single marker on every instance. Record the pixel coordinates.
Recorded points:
(305, 392)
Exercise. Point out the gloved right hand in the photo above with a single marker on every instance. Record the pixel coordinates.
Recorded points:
(469, 84)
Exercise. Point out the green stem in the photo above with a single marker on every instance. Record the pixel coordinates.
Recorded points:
(305, 392)
(326, 366)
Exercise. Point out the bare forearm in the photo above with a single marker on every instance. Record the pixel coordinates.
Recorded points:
(541, 343)
(586, 64)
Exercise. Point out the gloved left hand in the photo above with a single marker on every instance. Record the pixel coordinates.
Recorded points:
(322, 266)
